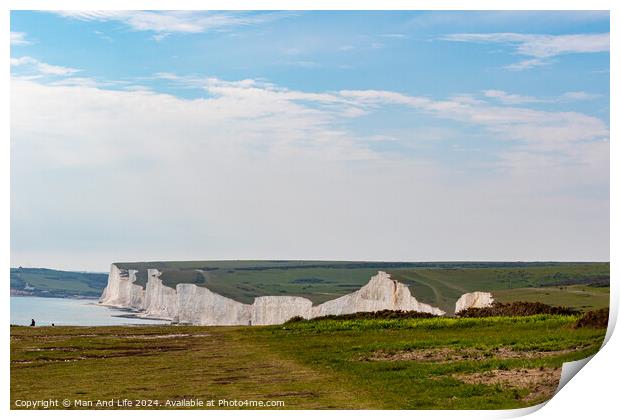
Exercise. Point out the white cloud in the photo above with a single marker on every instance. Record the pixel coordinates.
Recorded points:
(19, 38)
(528, 64)
(55, 70)
(539, 47)
(281, 121)
(166, 76)
(241, 117)
(539, 129)
(248, 170)
(103, 36)
(90, 82)
(517, 99)
(41, 67)
(394, 35)
(164, 23)
(510, 98)
(580, 96)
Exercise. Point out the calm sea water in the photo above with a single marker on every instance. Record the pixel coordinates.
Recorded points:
(46, 311)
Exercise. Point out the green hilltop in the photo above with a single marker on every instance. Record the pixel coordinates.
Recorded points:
(579, 285)
(56, 283)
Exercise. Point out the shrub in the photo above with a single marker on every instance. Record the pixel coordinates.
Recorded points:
(385, 314)
(594, 319)
(516, 309)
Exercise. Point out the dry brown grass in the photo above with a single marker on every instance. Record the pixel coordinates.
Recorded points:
(541, 383)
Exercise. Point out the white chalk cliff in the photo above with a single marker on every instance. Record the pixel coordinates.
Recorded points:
(200, 306)
(160, 301)
(121, 291)
(473, 300)
(191, 304)
(380, 293)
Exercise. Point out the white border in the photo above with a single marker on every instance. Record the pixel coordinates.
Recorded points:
(592, 395)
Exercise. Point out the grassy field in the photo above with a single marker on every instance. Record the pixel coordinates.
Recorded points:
(584, 298)
(442, 287)
(437, 363)
(56, 283)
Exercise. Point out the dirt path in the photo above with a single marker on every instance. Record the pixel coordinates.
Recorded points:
(438, 296)
(448, 355)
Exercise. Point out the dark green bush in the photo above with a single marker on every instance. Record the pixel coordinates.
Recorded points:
(385, 314)
(516, 309)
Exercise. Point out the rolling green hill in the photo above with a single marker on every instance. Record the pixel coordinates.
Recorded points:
(56, 283)
(436, 283)
(544, 283)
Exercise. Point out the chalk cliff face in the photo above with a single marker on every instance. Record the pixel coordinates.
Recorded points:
(270, 310)
(190, 304)
(159, 301)
(473, 300)
(200, 306)
(380, 293)
(121, 291)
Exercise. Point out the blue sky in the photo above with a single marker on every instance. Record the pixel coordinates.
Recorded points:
(370, 135)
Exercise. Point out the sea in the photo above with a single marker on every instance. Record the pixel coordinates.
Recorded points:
(62, 311)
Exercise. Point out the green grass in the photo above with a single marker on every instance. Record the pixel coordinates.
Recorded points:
(316, 284)
(308, 364)
(56, 283)
(343, 346)
(584, 298)
(212, 363)
(442, 287)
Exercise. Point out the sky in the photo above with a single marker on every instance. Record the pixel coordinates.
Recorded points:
(384, 136)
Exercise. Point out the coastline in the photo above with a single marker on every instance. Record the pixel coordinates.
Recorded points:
(74, 297)
(72, 311)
